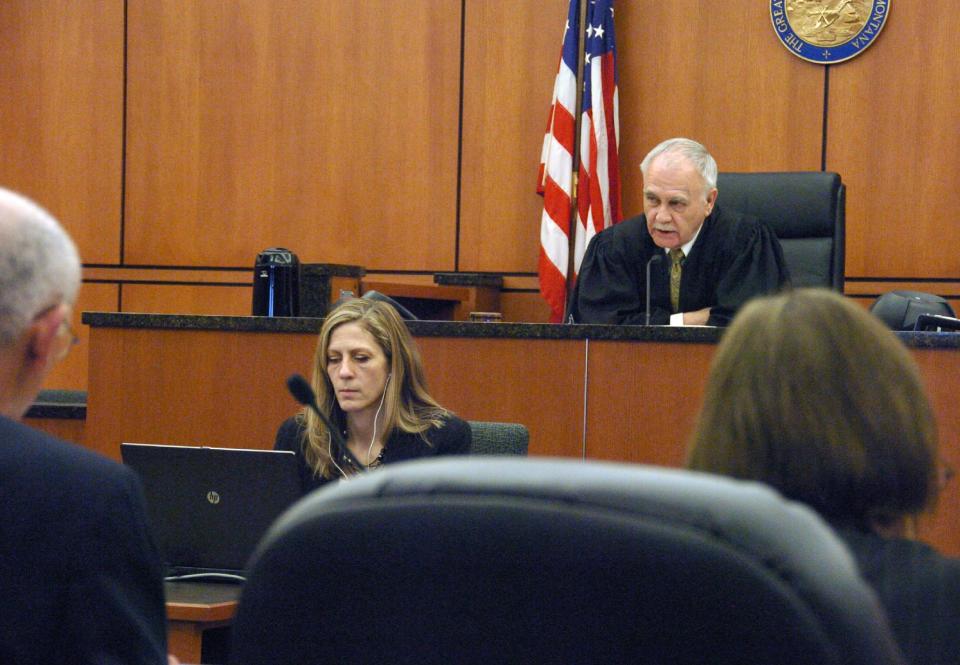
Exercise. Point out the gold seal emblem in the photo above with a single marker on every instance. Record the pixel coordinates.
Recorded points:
(830, 22)
(828, 31)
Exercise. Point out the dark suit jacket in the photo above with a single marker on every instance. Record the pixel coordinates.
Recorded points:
(80, 577)
(920, 590)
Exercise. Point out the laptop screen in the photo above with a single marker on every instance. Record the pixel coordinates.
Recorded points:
(209, 507)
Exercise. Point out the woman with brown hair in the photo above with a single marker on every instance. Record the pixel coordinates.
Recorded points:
(370, 384)
(811, 394)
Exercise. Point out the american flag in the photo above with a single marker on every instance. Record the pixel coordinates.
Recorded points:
(598, 186)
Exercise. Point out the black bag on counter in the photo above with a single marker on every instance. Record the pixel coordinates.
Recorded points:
(276, 283)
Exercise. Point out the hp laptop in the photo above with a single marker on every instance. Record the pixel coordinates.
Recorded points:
(209, 507)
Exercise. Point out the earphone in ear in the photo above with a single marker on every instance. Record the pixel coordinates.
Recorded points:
(376, 417)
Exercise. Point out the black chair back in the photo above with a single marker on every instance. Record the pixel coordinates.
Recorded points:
(492, 438)
(807, 212)
(518, 560)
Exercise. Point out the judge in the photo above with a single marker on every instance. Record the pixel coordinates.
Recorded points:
(712, 261)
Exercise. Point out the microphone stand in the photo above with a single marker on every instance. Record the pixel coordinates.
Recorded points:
(303, 393)
(656, 258)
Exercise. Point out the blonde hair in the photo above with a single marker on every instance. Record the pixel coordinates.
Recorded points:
(813, 395)
(407, 405)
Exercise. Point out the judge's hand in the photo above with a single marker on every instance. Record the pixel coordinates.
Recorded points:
(697, 318)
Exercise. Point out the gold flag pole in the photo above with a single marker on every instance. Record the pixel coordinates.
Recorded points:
(575, 162)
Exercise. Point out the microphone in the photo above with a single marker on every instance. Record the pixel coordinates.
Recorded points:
(303, 393)
(656, 258)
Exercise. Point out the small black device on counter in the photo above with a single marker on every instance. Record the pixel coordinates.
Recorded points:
(276, 283)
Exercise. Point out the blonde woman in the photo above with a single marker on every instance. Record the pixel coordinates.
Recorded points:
(370, 383)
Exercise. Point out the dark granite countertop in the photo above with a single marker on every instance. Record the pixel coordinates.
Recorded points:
(72, 404)
(701, 335)
(418, 328)
(468, 279)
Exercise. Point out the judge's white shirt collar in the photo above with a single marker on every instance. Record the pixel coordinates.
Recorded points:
(686, 247)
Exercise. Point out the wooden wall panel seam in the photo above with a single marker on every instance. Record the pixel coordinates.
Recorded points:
(826, 112)
(123, 139)
(586, 395)
(459, 194)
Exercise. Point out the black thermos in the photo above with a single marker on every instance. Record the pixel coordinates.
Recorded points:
(276, 283)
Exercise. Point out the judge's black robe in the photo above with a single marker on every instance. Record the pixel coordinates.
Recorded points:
(734, 258)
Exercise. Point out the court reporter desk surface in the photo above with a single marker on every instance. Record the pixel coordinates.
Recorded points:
(198, 616)
(624, 393)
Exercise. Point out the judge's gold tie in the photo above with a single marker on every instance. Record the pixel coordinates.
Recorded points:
(676, 256)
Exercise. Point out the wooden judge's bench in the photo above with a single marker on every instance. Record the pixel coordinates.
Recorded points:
(624, 393)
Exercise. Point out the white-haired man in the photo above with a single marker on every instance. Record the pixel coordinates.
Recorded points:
(711, 261)
(80, 576)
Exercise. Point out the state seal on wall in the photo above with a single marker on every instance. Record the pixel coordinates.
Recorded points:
(828, 31)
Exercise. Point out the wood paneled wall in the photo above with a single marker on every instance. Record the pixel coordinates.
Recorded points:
(404, 136)
(892, 134)
(507, 87)
(714, 72)
(329, 127)
(61, 114)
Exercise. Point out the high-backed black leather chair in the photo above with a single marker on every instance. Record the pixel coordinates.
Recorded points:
(519, 560)
(807, 212)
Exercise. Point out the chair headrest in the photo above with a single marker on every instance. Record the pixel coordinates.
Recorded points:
(750, 513)
(799, 204)
(494, 559)
(404, 313)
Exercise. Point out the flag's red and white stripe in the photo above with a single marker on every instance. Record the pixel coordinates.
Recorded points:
(598, 187)
(556, 175)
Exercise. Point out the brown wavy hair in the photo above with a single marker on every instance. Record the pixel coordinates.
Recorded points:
(811, 394)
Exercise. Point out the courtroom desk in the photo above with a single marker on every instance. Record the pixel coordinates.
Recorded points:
(59, 413)
(198, 617)
(620, 393)
(443, 301)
